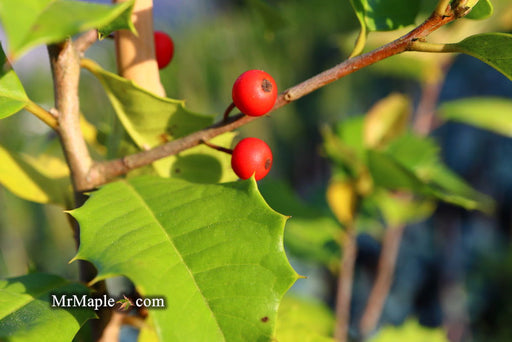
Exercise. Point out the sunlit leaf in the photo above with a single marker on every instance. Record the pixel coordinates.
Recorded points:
(26, 314)
(386, 120)
(44, 179)
(494, 114)
(214, 251)
(494, 49)
(482, 10)
(342, 199)
(12, 95)
(28, 23)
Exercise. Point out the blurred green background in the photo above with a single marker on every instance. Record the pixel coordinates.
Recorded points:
(454, 270)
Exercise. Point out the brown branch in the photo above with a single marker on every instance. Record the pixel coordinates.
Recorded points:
(345, 282)
(103, 172)
(136, 53)
(65, 65)
(83, 42)
(382, 285)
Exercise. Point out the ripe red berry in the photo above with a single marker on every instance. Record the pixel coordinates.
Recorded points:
(164, 49)
(251, 156)
(254, 92)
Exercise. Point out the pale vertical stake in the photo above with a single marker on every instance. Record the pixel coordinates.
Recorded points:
(136, 54)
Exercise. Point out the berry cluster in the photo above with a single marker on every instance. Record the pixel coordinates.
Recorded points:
(254, 93)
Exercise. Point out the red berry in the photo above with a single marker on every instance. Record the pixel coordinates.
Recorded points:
(164, 49)
(251, 156)
(254, 92)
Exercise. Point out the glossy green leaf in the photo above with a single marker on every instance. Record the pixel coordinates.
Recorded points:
(12, 95)
(411, 331)
(214, 251)
(388, 173)
(122, 22)
(26, 314)
(200, 164)
(386, 15)
(494, 49)
(149, 119)
(482, 10)
(304, 320)
(28, 23)
(494, 114)
(412, 163)
(449, 187)
(311, 234)
(44, 179)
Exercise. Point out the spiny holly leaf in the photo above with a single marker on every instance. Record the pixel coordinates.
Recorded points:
(12, 95)
(311, 234)
(43, 180)
(26, 313)
(214, 251)
(123, 21)
(494, 114)
(28, 23)
(412, 163)
(494, 49)
(304, 320)
(149, 119)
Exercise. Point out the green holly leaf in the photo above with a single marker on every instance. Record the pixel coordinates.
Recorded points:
(215, 252)
(26, 312)
(311, 234)
(494, 114)
(412, 163)
(28, 23)
(122, 21)
(12, 94)
(494, 49)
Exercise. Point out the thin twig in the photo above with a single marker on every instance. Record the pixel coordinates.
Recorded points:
(65, 65)
(384, 280)
(41, 113)
(345, 281)
(86, 40)
(103, 172)
(228, 110)
(217, 147)
(425, 118)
